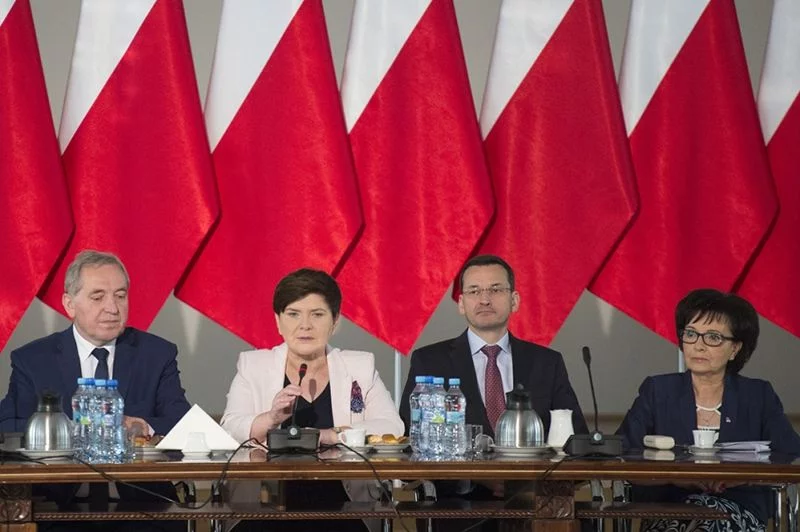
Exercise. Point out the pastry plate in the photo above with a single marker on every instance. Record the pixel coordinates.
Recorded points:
(704, 451)
(148, 451)
(390, 447)
(40, 455)
(521, 452)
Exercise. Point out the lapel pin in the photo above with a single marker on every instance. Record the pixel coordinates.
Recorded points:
(727, 420)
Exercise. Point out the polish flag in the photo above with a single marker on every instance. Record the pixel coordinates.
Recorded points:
(424, 186)
(34, 206)
(706, 197)
(558, 154)
(134, 148)
(287, 186)
(772, 284)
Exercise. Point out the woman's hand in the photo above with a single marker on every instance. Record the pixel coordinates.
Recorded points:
(281, 411)
(282, 403)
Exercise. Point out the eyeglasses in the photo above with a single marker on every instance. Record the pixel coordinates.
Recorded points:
(492, 291)
(711, 339)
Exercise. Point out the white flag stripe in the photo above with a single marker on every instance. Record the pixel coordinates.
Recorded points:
(105, 31)
(780, 81)
(656, 33)
(525, 27)
(5, 7)
(384, 27)
(254, 26)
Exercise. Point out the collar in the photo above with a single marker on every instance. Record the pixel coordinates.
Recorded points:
(85, 347)
(476, 343)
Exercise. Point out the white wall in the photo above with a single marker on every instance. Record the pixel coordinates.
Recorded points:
(624, 352)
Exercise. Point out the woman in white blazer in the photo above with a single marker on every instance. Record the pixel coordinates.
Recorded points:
(341, 389)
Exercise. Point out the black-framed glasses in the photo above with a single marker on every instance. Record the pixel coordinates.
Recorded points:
(710, 338)
(492, 291)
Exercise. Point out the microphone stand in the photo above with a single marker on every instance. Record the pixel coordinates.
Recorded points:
(595, 444)
(293, 440)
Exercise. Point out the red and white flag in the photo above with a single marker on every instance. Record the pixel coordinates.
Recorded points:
(287, 186)
(772, 283)
(706, 197)
(558, 154)
(425, 191)
(134, 148)
(35, 219)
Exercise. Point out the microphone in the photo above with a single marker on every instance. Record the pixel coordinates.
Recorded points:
(294, 430)
(595, 444)
(293, 439)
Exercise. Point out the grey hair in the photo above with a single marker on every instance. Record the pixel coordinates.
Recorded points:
(90, 257)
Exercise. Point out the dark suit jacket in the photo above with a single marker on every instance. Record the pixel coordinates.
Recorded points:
(751, 411)
(144, 364)
(539, 369)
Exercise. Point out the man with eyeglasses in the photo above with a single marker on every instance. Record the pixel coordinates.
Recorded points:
(490, 361)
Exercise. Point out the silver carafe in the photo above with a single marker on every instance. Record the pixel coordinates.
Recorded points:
(519, 425)
(49, 428)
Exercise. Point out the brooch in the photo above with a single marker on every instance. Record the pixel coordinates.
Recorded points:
(356, 399)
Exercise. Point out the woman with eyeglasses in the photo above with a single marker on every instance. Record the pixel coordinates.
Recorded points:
(717, 333)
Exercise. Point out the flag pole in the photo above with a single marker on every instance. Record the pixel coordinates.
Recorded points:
(398, 386)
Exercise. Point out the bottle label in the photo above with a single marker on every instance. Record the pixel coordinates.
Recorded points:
(438, 417)
(416, 415)
(455, 416)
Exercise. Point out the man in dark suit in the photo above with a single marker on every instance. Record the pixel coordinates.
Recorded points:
(98, 345)
(488, 297)
(490, 361)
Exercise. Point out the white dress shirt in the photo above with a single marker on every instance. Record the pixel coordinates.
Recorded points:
(89, 361)
(480, 359)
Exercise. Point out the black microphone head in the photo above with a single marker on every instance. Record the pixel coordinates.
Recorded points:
(302, 370)
(587, 355)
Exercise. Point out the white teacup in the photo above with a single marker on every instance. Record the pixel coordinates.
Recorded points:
(705, 438)
(196, 443)
(353, 437)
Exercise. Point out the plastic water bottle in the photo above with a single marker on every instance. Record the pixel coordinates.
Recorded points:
(96, 448)
(436, 434)
(455, 434)
(115, 443)
(426, 413)
(415, 407)
(80, 416)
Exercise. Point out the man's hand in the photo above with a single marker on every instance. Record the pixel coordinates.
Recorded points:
(136, 426)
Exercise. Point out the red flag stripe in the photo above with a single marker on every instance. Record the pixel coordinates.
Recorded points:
(286, 181)
(559, 160)
(706, 196)
(34, 205)
(423, 183)
(138, 166)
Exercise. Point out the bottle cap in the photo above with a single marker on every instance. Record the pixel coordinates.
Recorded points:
(454, 382)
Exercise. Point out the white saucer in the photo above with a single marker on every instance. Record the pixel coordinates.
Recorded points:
(363, 449)
(521, 452)
(40, 455)
(196, 455)
(390, 447)
(704, 451)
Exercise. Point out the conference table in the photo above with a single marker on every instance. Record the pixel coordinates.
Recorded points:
(543, 486)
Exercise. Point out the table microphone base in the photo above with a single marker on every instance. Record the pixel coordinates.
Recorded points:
(293, 440)
(596, 444)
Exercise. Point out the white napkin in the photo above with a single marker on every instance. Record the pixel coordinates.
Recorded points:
(196, 420)
(745, 446)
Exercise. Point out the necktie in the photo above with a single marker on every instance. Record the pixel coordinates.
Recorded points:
(101, 371)
(495, 397)
(98, 492)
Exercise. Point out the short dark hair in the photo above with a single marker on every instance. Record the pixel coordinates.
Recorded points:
(487, 260)
(708, 304)
(304, 282)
